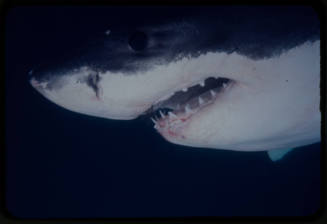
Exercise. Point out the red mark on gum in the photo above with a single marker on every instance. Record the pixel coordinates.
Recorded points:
(168, 126)
(172, 133)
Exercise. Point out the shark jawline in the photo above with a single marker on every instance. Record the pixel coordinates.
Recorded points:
(169, 120)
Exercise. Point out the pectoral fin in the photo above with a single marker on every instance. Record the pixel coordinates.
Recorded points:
(277, 154)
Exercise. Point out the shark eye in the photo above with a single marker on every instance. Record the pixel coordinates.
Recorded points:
(138, 41)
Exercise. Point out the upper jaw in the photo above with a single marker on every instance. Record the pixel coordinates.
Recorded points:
(194, 75)
(151, 88)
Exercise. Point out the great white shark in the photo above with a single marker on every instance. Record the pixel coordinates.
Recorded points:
(232, 78)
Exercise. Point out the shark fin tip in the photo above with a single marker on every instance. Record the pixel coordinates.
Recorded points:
(278, 154)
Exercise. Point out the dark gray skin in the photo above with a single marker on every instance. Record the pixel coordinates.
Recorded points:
(256, 32)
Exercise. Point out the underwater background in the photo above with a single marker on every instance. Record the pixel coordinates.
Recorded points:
(61, 164)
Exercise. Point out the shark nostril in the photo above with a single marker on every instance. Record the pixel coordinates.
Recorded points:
(138, 41)
(33, 82)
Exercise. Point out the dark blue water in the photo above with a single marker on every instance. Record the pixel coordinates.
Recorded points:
(63, 164)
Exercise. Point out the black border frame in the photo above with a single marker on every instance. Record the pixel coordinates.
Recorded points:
(319, 217)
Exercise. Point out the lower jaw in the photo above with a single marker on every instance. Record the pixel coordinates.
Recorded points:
(172, 127)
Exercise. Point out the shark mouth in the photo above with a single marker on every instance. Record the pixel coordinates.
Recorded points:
(175, 111)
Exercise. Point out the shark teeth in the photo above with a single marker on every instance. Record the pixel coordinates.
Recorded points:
(166, 122)
(213, 93)
(161, 114)
(201, 101)
(188, 109)
(172, 115)
(154, 121)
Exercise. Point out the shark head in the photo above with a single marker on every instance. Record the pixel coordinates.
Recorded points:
(208, 79)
